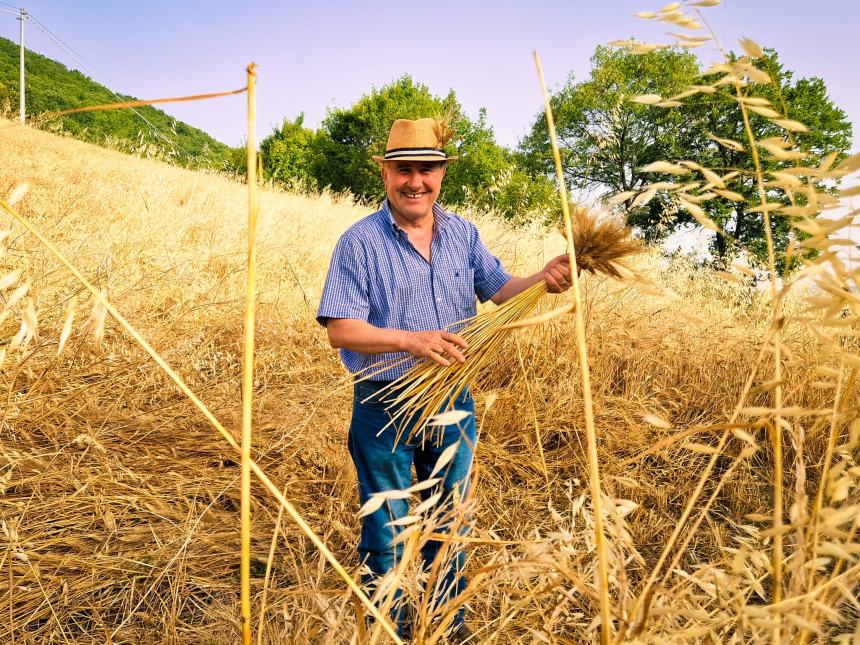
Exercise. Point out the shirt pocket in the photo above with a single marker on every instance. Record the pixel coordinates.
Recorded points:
(465, 293)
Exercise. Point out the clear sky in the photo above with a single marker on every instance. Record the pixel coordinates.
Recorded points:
(314, 55)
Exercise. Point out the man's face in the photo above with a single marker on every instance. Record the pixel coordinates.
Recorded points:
(412, 186)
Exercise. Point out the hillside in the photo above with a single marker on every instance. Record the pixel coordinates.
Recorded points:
(123, 502)
(51, 87)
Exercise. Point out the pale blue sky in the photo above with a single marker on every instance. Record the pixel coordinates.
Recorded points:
(315, 55)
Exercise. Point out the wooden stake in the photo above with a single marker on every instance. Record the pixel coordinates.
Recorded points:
(248, 358)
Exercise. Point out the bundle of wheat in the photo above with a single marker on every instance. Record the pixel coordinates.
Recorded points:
(428, 388)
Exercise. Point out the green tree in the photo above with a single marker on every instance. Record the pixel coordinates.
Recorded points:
(480, 165)
(605, 139)
(291, 154)
(718, 115)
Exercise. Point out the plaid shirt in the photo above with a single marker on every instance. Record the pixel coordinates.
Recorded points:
(377, 276)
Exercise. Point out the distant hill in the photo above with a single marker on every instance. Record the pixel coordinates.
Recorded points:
(51, 86)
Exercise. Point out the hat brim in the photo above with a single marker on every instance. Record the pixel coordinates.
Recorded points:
(379, 159)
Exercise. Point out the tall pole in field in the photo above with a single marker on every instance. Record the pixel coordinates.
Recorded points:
(22, 16)
(248, 362)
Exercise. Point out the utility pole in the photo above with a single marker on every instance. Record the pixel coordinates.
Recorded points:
(22, 17)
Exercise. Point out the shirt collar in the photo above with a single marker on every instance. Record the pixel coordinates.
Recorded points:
(440, 217)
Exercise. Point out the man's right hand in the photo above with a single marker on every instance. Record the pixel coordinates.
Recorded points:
(435, 344)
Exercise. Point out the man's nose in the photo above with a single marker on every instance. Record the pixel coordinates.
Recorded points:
(414, 179)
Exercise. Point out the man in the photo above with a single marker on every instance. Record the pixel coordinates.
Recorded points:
(398, 280)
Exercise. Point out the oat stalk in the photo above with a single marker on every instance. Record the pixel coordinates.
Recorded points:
(591, 433)
(777, 322)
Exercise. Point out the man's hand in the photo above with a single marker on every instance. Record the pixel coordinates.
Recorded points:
(435, 344)
(557, 274)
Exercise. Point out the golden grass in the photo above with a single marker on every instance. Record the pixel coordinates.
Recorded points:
(125, 503)
(119, 504)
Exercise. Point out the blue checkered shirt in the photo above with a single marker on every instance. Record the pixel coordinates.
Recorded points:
(377, 276)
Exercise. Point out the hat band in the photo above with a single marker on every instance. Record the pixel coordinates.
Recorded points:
(399, 153)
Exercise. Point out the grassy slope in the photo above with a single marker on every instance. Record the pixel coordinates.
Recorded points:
(52, 87)
(126, 502)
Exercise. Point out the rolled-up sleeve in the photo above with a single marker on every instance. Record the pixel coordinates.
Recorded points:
(490, 275)
(345, 294)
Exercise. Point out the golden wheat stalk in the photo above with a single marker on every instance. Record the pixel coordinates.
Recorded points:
(591, 433)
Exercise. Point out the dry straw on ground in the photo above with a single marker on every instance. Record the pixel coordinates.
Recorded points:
(119, 504)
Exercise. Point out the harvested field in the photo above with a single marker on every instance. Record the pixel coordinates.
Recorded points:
(120, 504)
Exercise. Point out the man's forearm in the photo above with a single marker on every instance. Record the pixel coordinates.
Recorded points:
(516, 285)
(364, 338)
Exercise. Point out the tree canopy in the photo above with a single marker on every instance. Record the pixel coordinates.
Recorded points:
(718, 116)
(607, 139)
(338, 154)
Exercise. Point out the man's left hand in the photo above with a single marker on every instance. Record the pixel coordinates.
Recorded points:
(557, 274)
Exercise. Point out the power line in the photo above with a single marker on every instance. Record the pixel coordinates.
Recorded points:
(84, 63)
(71, 51)
(81, 61)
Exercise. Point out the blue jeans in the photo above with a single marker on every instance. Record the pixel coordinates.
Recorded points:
(381, 465)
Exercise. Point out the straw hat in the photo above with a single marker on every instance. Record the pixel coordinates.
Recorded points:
(416, 140)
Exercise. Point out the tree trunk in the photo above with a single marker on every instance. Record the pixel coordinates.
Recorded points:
(739, 222)
(721, 246)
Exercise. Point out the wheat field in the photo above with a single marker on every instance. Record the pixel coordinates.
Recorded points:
(120, 504)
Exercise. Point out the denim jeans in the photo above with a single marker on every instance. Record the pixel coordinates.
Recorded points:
(381, 465)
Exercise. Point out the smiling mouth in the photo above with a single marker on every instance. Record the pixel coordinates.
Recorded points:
(413, 195)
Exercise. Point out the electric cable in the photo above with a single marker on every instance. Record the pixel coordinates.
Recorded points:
(80, 60)
(83, 63)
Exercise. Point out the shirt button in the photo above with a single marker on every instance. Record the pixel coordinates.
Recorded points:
(438, 299)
